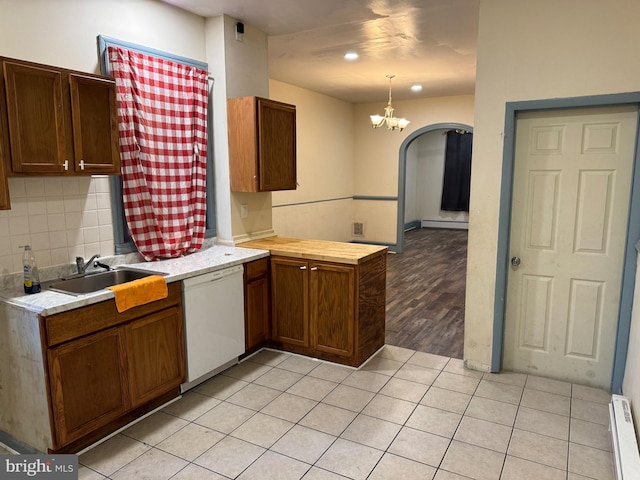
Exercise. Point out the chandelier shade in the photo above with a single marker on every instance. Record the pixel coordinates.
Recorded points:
(392, 122)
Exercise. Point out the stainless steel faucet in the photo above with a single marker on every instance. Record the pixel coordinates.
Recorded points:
(82, 265)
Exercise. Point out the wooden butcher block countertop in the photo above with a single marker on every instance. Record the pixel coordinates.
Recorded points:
(323, 250)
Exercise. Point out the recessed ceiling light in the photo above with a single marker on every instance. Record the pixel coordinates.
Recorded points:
(351, 56)
(416, 88)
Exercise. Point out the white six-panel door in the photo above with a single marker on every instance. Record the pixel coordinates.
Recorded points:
(571, 189)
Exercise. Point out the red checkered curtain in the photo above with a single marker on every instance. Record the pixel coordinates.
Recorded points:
(162, 117)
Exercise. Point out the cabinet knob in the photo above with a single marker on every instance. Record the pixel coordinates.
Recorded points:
(81, 164)
(65, 165)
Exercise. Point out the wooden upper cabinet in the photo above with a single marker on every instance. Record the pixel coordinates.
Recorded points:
(262, 145)
(58, 121)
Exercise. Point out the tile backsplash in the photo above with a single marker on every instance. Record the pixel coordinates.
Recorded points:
(60, 217)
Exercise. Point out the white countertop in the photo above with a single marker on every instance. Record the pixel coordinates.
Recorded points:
(214, 258)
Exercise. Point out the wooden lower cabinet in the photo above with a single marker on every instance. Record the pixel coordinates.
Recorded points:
(329, 310)
(106, 368)
(257, 304)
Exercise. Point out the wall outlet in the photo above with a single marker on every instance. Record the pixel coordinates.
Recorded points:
(358, 229)
(244, 211)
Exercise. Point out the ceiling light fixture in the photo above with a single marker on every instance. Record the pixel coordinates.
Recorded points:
(416, 88)
(351, 56)
(392, 122)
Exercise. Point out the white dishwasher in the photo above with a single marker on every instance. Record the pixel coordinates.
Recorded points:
(214, 322)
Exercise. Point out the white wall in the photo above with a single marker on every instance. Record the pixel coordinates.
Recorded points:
(631, 384)
(533, 50)
(65, 217)
(411, 182)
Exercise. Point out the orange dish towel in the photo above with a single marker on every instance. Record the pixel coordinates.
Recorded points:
(139, 292)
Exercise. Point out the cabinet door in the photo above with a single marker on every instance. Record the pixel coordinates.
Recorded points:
(257, 313)
(95, 125)
(277, 145)
(35, 113)
(290, 301)
(156, 355)
(332, 293)
(88, 383)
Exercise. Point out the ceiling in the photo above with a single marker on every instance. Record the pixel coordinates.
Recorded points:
(428, 42)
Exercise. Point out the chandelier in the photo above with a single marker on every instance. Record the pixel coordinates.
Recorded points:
(388, 118)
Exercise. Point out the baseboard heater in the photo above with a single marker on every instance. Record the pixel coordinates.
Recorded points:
(626, 457)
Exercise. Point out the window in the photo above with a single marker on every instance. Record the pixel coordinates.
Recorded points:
(122, 237)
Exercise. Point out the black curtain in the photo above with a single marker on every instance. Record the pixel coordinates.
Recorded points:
(457, 172)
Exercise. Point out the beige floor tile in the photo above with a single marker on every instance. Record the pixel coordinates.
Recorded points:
(484, 434)
(273, 466)
(539, 448)
(416, 373)
(262, 430)
(544, 423)
(590, 411)
(364, 380)
(269, 357)
(420, 446)
(475, 462)
(394, 467)
(384, 366)
(328, 419)
(220, 387)
(316, 473)
(347, 397)
(350, 459)
(444, 475)
(229, 457)
(253, 396)
(590, 462)
(575, 476)
(113, 454)
(492, 411)
(278, 378)
(395, 353)
(191, 441)
(196, 472)
(548, 402)
(388, 408)
(225, 417)
(519, 469)
(590, 434)
(191, 406)
(289, 407)
(312, 388)
(510, 378)
(404, 390)
(151, 465)
(591, 394)
(549, 385)
(155, 428)
(371, 432)
(331, 372)
(304, 444)
(449, 400)
(299, 364)
(457, 383)
(84, 473)
(456, 365)
(247, 371)
(434, 420)
(429, 360)
(502, 392)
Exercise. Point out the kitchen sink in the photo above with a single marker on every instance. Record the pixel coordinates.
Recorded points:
(94, 281)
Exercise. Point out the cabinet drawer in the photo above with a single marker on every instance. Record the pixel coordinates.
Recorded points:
(256, 269)
(76, 323)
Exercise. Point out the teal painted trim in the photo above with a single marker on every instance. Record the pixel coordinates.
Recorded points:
(375, 198)
(382, 244)
(402, 172)
(312, 201)
(412, 225)
(504, 225)
(638, 246)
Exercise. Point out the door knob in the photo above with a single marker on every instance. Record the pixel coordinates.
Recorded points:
(515, 261)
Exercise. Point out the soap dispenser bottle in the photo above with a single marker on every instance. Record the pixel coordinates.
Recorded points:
(31, 275)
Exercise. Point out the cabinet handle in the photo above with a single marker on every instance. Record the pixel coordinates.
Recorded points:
(313, 269)
(81, 164)
(303, 267)
(66, 165)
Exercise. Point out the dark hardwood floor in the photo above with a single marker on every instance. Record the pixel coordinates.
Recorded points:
(425, 292)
